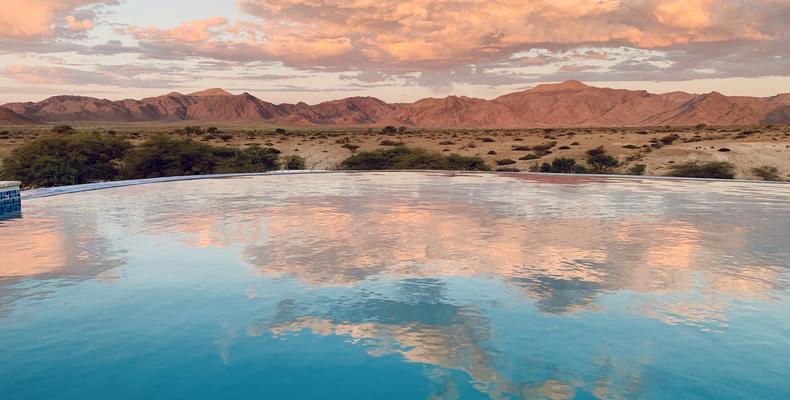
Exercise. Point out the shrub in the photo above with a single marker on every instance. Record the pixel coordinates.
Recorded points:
(600, 161)
(696, 169)
(488, 140)
(521, 148)
(62, 129)
(280, 131)
(529, 157)
(669, 139)
(389, 129)
(767, 173)
(387, 142)
(251, 159)
(458, 162)
(543, 149)
(402, 157)
(505, 161)
(65, 160)
(193, 130)
(163, 156)
(638, 169)
(294, 163)
(563, 165)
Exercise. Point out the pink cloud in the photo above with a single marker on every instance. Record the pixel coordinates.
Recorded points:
(578, 68)
(417, 35)
(111, 75)
(25, 19)
(78, 24)
(188, 32)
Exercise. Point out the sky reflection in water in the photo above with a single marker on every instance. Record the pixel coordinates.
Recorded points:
(404, 285)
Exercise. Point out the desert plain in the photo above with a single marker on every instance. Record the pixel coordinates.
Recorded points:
(746, 147)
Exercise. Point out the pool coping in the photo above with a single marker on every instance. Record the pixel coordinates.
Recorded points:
(60, 190)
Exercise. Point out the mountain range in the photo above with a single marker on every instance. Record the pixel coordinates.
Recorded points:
(566, 104)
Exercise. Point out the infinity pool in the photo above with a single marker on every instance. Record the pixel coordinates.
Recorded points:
(399, 286)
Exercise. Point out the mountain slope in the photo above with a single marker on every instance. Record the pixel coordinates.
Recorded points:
(566, 104)
(8, 117)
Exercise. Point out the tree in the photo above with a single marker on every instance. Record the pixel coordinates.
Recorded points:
(696, 169)
(563, 165)
(163, 156)
(66, 160)
(601, 162)
(402, 157)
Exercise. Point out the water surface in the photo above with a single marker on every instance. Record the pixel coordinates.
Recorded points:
(400, 286)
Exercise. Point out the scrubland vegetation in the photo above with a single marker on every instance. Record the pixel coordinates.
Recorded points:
(87, 157)
(402, 157)
(60, 155)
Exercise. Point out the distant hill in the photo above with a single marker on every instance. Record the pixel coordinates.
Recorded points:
(8, 117)
(567, 104)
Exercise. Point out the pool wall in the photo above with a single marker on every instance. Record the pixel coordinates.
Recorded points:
(10, 199)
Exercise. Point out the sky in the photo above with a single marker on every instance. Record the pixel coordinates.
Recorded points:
(396, 50)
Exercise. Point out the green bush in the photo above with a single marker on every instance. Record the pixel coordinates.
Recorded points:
(637, 169)
(601, 162)
(457, 162)
(62, 129)
(65, 160)
(295, 163)
(403, 157)
(563, 165)
(163, 156)
(696, 169)
(83, 158)
(251, 159)
(767, 173)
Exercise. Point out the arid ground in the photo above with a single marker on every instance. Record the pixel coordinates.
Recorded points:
(324, 148)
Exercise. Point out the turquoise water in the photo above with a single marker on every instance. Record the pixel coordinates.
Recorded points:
(399, 286)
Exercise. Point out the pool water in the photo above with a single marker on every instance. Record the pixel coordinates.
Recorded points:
(399, 286)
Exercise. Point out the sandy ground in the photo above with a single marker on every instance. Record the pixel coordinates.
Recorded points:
(749, 147)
